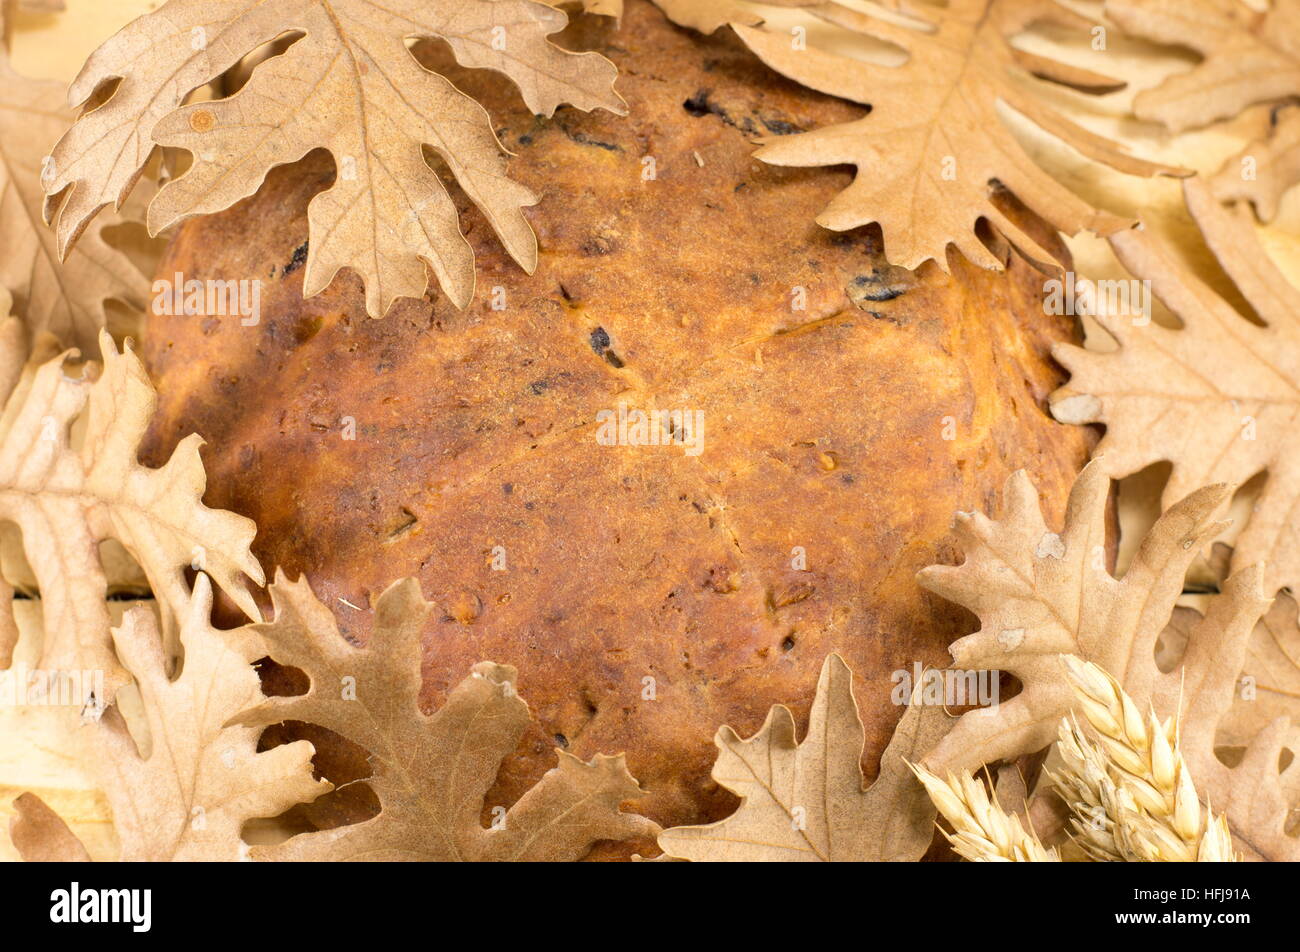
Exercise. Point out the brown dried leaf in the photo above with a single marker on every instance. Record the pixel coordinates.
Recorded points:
(1269, 683)
(933, 148)
(805, 801)
(349, 85)
(603, 8)
(62, 298)
(431, 772)
(1256, 796)
(1248, 57)
(13, 346)
(1040, 596)
(40, 835)
(1219, 398)
(190, 798)
(67, 497)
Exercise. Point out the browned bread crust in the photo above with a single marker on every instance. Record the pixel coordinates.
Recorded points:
(824, 428)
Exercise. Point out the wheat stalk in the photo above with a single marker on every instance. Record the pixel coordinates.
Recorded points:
(1130, 790)
(982, 831)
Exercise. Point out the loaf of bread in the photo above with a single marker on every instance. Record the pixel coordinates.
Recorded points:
(832, 412)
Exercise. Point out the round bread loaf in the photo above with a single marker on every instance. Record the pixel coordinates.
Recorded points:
(647, 593)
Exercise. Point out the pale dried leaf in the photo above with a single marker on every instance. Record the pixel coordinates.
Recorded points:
(66, 499)
(935, 144)
(1219, 398)
(1248, 57)
(46, 749)
(431, 772)
(63, 298)
(1270, 677)
(805, 802)
(1059, 600)
(190, 798)
(710, 15)
(1256, 795)
(1263, 171)
(1040, 595)
(349, 85)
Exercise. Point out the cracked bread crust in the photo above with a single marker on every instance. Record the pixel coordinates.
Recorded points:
(825, 427)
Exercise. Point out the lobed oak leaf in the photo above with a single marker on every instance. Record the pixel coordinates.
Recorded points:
(349, 85)
(204, 779)
(1040, 596)
(1268, 685)
(66, 497)
(64, 298)
(1247, 56)
(805, 801)
(1219, 398)
(431, 772)
(708, 16)
(1257, 795)
(1263, 171)
(935, 147)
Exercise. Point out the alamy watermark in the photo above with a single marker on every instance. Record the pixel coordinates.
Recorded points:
(133, 907)
(946, 687)
(21, 686)
(1072, 295)
(652, 427)
(210, 298)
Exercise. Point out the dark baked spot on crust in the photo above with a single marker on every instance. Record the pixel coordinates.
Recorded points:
(297, 261)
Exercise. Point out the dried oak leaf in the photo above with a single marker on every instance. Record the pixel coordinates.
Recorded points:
(935, 146)
(204, 778)
(64, 298)
(805, 801)
(1247, 57)
(349, 85)
(1257, 796)
(431, 772)
(710, 15)
(1219, 398)
(703, 15)
(1263, 171)
(67, 497)
(1268, 686)
(1040, 595)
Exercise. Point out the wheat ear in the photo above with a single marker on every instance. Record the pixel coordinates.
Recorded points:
(1130, 790)
(982, 831)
